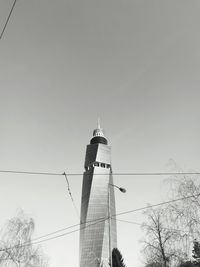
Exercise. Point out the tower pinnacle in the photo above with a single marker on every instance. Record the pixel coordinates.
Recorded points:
(99, 123)
(99, 131)
(98, 135)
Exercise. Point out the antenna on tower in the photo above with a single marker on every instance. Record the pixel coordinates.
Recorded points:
(99, 123)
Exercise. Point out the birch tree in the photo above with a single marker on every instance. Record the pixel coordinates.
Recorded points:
(16, 249)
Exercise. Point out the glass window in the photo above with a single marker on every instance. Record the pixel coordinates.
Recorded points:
(103, 165)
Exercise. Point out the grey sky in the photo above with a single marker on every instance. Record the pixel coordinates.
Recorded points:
(136, 64)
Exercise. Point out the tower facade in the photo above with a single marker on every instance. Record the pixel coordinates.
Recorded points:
(98, 234)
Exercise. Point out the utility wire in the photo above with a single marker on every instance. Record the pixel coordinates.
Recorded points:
(66, 228)
(47, 239)
(46, 173)
(73, 231)
(155, 173)
(7, 20)
(70, 194)
(146, 225)
(98, 221)
(165, 228)
(31, 173)
(155, 205)
(115, 174)
(124, 221)
(130, 222)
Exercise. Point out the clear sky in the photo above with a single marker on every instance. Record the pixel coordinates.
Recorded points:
(63, 63)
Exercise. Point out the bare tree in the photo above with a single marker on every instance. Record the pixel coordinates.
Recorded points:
(160, 243)
(187, 211)
(172, 229)
(16, 249)
(185, 214)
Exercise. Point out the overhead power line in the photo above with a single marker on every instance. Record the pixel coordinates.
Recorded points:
(66, 228)
(165, 228)
(146, 225)
(55, 232)
(130, 222)
(31, 173)
(48, 239)
(54, 237)
(138, 173)
(156, 173)
(73, 231)
(156, 205)
(115, 174)
(90, 223)
(7, 20)
(49, 174)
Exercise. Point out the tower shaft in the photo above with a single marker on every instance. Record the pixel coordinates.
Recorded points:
(94, 232)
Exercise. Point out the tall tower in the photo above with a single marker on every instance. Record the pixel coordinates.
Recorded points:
(97, 236)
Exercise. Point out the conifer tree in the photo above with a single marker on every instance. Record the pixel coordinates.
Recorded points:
(196, 250)
(117, 258)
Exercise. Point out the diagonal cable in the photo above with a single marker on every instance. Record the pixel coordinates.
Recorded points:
(70, 194)
(97, 221)
(54, 237)
(7, 20)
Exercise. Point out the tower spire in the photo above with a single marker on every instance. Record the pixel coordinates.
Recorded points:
(98, 123)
